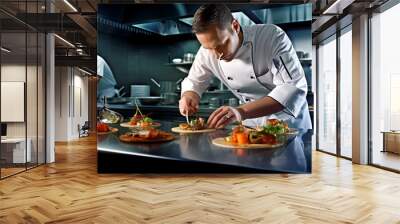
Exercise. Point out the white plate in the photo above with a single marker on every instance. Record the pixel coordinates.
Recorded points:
(179, 130)
(128, 125)
(222, 143)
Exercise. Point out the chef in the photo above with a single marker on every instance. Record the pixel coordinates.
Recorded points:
(257, 63)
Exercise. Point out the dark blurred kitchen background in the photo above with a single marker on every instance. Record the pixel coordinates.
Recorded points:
(146, 50)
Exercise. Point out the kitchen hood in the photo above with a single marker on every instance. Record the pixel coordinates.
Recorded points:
(183, 25)
(176, 19)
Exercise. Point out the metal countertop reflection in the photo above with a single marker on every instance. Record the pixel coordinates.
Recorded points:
(294, 156)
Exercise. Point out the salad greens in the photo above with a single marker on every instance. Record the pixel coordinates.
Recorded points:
(273, 129)
(147, 119)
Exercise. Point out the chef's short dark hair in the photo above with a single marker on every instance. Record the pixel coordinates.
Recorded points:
(210, 14)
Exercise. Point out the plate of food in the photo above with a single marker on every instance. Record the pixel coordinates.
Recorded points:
(104, 129)
(272, 135)
(197, 125)
(149, 135)
(140, 121)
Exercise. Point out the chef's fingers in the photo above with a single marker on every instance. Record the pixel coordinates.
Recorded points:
(218, 115)
(194, 106)
(212, 116)
(188, 105)
(184, 106)
(187, 110)
(225, 120)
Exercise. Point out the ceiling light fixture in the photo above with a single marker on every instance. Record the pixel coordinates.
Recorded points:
(70, 5)
(337, 7)
(65, 41)
(5, 50)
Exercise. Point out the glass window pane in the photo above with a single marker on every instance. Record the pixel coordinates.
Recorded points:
(14, 153)
(31, 97)
(385, 84)
(346, 94)
(327, 96)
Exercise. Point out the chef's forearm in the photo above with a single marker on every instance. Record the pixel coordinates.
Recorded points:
(191, 94)
(259, 108)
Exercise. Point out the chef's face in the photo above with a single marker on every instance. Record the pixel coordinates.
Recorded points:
(223, 43)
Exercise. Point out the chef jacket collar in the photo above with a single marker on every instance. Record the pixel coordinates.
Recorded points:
(246, 39)
(246, 35)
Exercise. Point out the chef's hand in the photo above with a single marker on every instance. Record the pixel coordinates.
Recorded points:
(189, 103)
(224, 116)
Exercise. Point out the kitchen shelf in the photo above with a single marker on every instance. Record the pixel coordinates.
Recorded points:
(180, 64)
(183, 66)
(219, 91)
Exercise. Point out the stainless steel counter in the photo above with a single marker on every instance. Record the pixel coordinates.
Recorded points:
(196, 153)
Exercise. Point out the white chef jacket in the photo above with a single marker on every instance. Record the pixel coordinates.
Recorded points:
(266, 64)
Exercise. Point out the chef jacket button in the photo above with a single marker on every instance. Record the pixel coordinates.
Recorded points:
(247, 100)
(252, 77)
(238, 90)
(230, 78)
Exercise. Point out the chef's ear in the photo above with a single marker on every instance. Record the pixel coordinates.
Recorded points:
(235, 26)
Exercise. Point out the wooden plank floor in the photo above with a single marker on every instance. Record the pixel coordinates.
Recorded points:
(71, 191)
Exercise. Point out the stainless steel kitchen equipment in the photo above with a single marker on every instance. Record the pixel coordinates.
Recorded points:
(108, 116)
(169, 98)
(119, 100)
(188, 57)
(214, 102)
(149, 100)
(233, 102)
(178, 85)
(165, 86)
(140, 90)
(120, 91)
(155, 82)
(177, 60)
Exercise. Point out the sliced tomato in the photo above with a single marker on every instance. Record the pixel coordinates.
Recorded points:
(101, 127)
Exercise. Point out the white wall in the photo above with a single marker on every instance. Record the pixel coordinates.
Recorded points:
(71, 102)
(13, 73)
(33, 126)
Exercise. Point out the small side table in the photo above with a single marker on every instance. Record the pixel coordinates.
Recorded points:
(18, 150)
(391, 141)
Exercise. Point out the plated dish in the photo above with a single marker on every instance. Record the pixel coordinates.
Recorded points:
(139, 120)
(149, 135)
(272, 135)
(197, 125)
(103, 129)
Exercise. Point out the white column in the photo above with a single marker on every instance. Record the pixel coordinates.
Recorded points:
(50, 92)
(360, 90)
(50, 98)
(314, 90)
